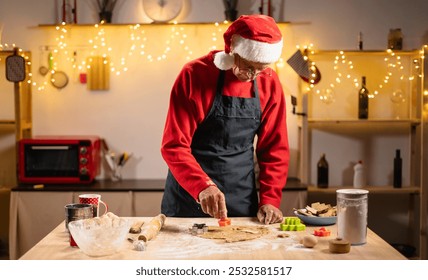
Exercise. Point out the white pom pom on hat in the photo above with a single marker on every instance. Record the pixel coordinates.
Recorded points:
(256, 38)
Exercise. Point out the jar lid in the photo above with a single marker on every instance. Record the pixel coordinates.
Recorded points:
(352, 192)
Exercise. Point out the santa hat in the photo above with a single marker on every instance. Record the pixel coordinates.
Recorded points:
(256, 38)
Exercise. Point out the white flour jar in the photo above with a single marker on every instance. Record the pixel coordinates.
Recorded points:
(352, 208)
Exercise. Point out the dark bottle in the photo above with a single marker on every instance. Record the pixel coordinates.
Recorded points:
(322, 169)
(363, 100)
(398, 162)
(360, 41)
(395, 39)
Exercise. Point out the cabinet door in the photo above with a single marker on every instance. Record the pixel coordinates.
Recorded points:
(147, 204)
(32, 216)
(292, 200)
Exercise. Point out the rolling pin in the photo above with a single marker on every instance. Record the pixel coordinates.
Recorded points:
(152, 228)
(136, 227)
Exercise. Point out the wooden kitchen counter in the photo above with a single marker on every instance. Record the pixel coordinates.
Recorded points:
(175, 242)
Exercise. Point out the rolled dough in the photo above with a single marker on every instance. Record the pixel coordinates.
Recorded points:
(235, 233)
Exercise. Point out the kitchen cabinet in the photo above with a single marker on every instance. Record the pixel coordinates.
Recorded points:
(395, 121)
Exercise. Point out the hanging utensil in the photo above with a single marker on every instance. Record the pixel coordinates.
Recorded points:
(43, 70)
(15, 67)
(59, 79)
(307, 70)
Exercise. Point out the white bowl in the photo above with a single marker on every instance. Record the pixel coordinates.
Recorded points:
(100, 236)
(316, 221)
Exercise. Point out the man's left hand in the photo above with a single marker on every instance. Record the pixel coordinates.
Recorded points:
(269, 214)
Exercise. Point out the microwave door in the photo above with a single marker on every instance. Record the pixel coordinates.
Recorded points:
(52, 161)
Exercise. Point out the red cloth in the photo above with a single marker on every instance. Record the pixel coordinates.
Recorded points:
(191, 99)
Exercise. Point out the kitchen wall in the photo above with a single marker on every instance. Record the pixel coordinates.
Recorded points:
(131, 114)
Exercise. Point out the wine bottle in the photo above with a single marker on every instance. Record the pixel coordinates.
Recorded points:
(397, 169)
(363, 100)
(322, 169)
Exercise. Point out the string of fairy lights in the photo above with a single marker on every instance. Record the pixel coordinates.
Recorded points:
(342, 69)
(137, 46)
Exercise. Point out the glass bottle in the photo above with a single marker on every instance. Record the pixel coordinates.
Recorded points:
(322, 172)
(398, 162)
(363, 100)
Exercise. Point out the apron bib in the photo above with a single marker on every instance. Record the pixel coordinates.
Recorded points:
(223, 146)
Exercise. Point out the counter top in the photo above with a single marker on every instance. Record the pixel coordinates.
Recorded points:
(175, 242)
(144, 185)
(101, 185)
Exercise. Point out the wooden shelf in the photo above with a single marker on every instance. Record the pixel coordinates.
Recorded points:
(364, 52)
(374, 189)
(358, 121)
(142, 24)
(7, 122)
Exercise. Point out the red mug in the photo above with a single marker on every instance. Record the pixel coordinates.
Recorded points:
(95, 200)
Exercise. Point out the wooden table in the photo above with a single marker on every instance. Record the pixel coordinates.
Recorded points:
(36, 212)
(175, 242)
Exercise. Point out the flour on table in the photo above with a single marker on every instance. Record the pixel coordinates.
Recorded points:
(191, 246)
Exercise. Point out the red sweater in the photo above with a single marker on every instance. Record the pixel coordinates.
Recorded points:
(191, 99)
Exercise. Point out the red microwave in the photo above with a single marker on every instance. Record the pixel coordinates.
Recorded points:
(59, 159)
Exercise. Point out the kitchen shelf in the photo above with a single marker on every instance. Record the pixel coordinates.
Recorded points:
(334, 129)
(372, 190)
(363, 52)
(7, 122)
(141, 24)
(372, 121)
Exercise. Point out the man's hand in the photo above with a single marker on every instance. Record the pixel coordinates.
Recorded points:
(213, 202)
(269, 214)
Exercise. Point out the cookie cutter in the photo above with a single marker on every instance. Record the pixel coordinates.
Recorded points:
(199, 229)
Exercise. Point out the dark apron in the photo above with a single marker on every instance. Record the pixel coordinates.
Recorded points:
(223, 146)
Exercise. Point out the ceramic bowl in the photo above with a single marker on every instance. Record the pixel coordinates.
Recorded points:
(316, 221)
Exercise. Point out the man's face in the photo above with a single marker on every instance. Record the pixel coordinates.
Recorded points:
(246, 70)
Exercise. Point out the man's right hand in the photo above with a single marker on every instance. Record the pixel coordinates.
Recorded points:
(213, 202)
